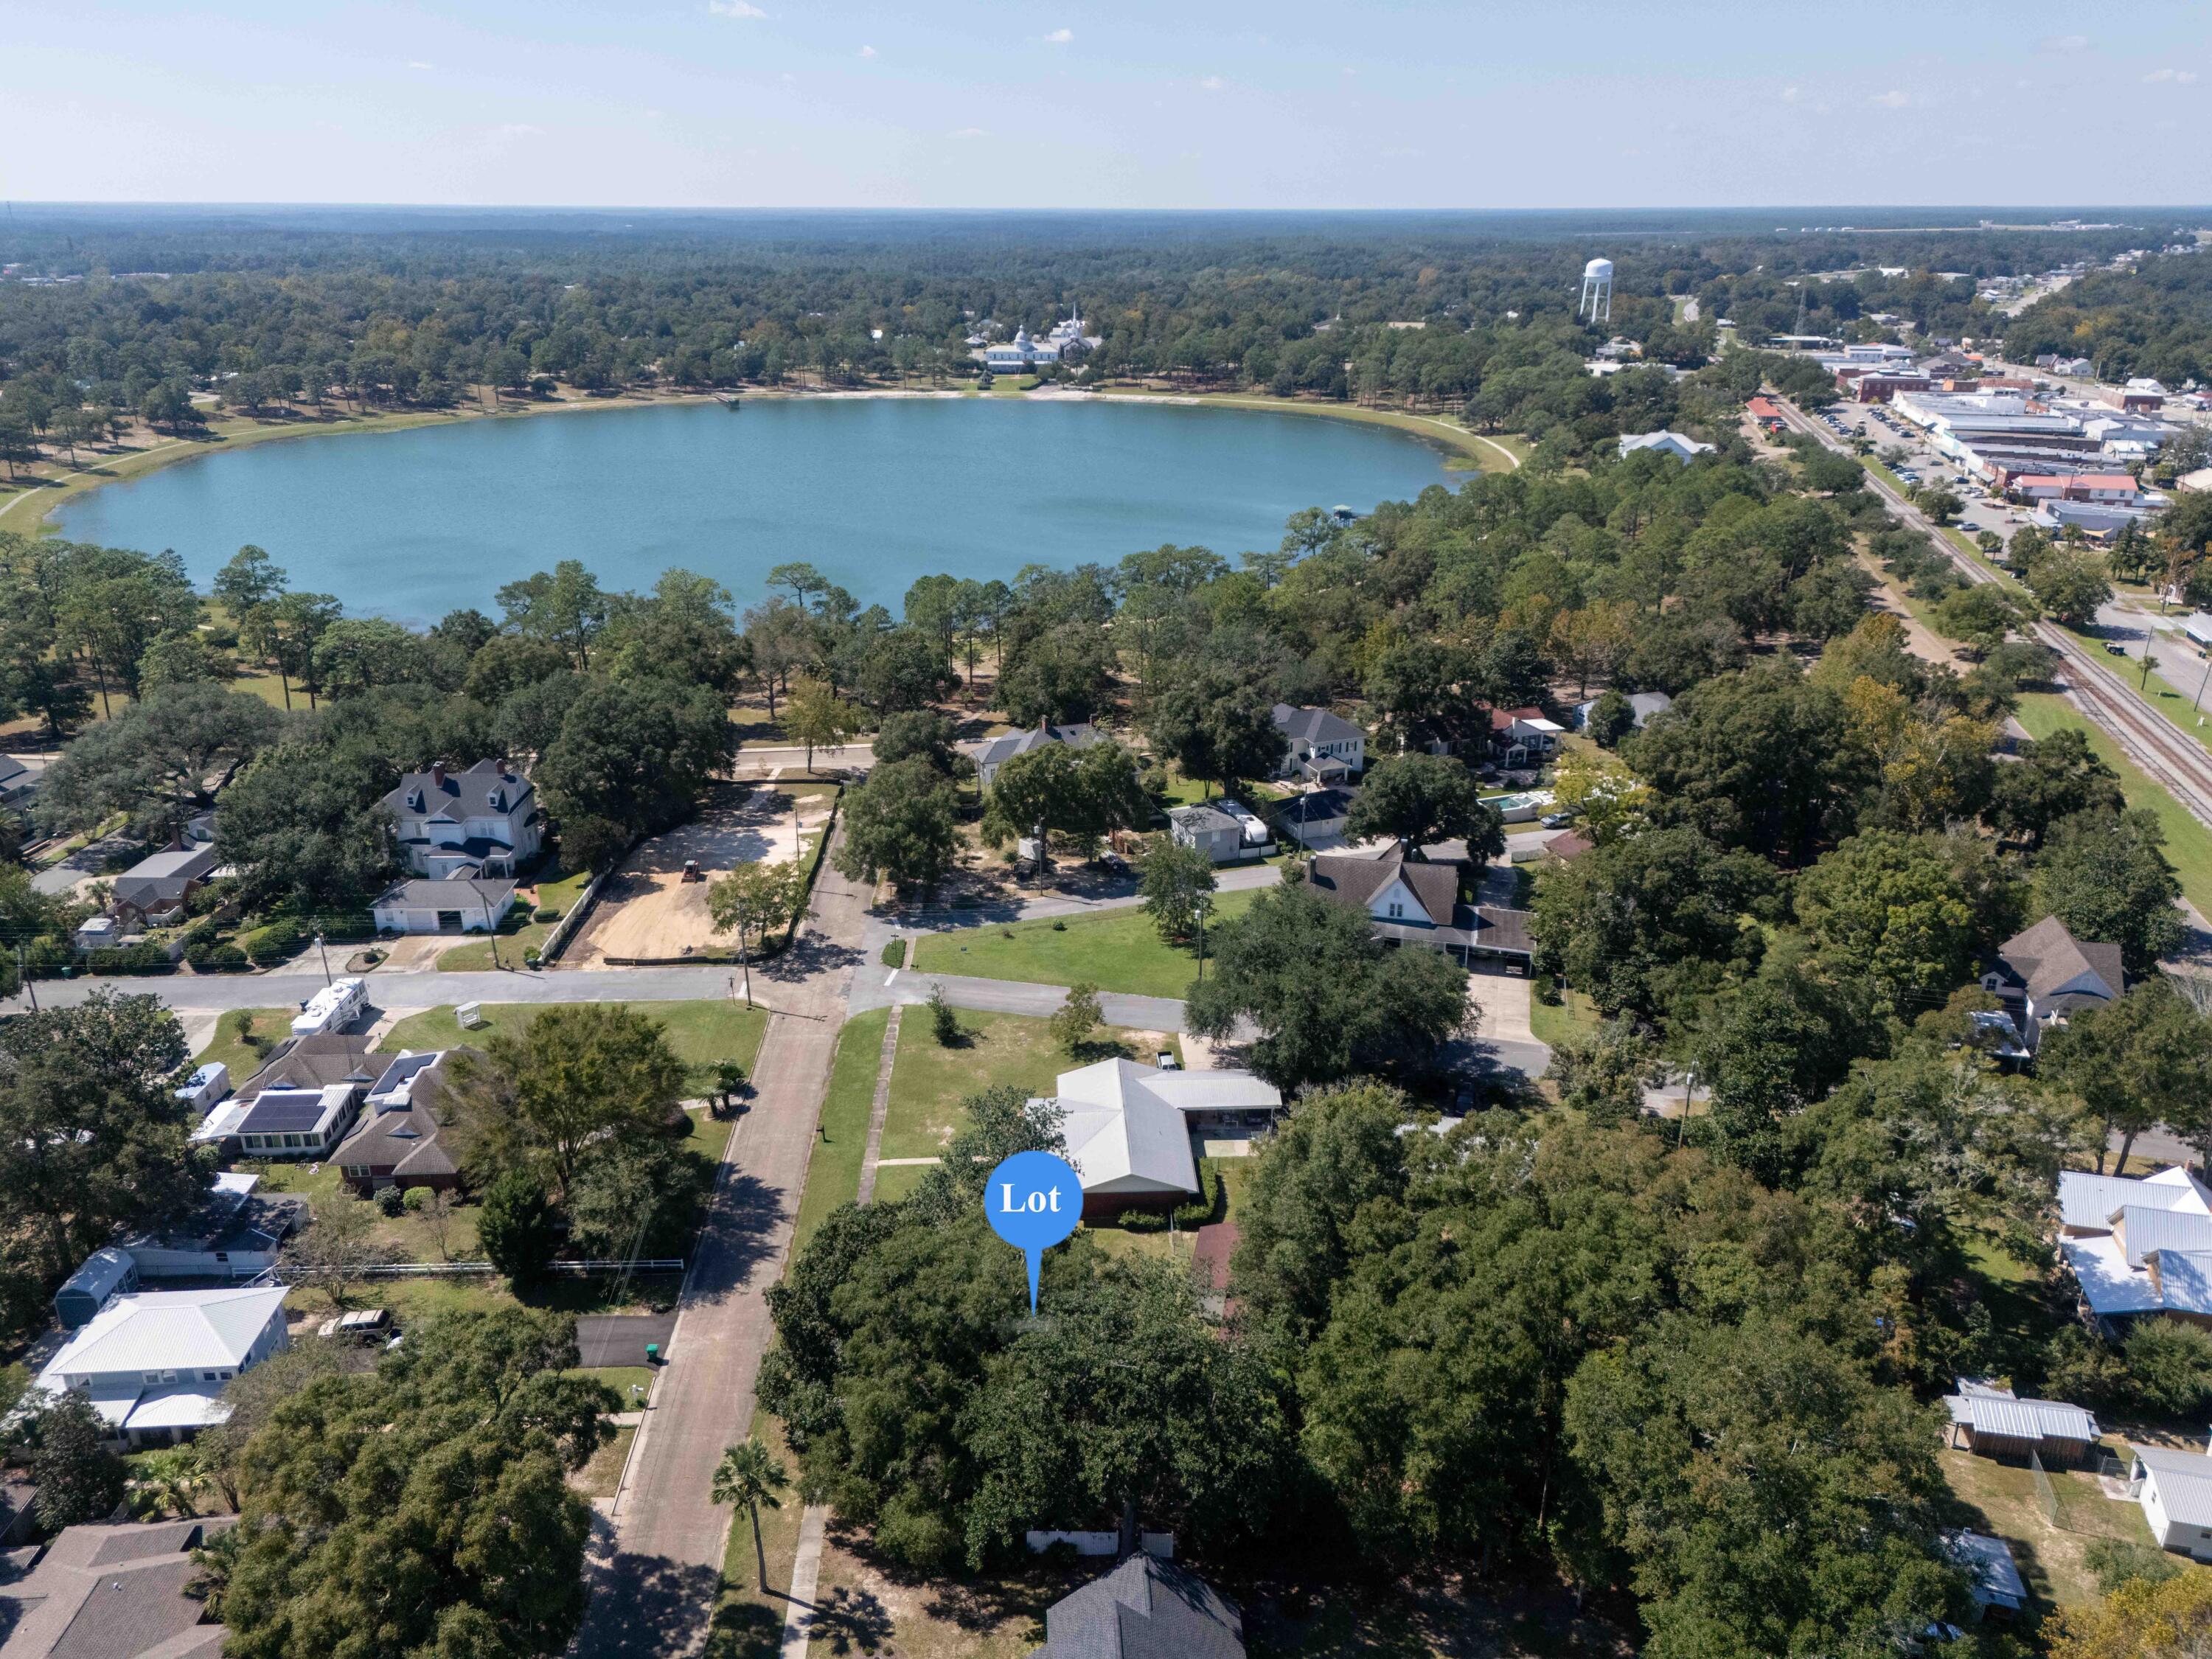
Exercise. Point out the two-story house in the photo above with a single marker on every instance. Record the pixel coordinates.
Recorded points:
(153, 1364)
(1318, 745)
(2045, 974)
(1411, 902)
(482, 822)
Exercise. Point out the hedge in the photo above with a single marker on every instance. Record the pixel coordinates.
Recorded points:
(220, 958)
(546, 913)
(1197, 1212)
(270, 945)
(130, 959)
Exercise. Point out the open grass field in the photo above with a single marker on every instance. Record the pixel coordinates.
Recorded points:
(703, 1034)
(833, 1172)
(929, 1084)
(411, 1236)
(1118, 950)
(2001, 1498)
(2188, 843)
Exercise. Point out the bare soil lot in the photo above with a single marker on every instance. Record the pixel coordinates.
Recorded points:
(647, 911)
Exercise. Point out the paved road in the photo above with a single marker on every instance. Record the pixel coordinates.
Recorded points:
(215, 993)
(654, 1583)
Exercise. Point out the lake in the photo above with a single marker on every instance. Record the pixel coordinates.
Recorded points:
(872, 491)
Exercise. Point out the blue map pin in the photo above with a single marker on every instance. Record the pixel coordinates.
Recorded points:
(1033, 1200)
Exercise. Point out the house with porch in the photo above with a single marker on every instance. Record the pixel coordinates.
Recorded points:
(153, 1362)
(1409, 902)
(1319, 746)
(2041, 976)
(482, 822)
(1523, 736)
(2137, 1246)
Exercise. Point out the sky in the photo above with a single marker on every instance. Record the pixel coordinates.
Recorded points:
(1138, 104)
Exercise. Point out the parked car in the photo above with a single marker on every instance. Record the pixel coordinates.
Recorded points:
(1114, 864)
(1556, 820)
(2113, 647)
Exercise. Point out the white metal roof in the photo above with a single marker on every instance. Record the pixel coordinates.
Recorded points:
(2184, 1480)
(2090, 1201)
(169, 1330)
(1989, 1412)
(2145, 1230)
(180, 1406)
(2108, 1285)
(1996, 1575)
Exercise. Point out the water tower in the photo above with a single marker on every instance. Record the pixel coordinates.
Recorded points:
(1597, 291)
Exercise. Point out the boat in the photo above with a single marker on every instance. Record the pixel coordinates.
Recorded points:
(731, 404)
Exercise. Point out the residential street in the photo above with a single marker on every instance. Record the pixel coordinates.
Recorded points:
(655, 1579)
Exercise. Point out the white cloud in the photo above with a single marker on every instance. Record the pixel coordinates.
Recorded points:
(971, 132)
(513, 131)
(2179, 77)
(741, 9)
(867, 51)
(1060, 37)
(2067, 44)
(421, 66)
(1892, 99)
(1213, 84)
(1790, 95)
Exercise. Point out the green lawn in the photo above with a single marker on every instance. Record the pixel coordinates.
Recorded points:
(2188, 843)
(1119, 951)
(2001, 1498)
(702, 1033)
(517, 931)
(602, 1476)
(1553, 1022)
(620, 1378)
(412, 1235)
(833, 1172)
(268, 1025)
(929, 1083)
(748, 1622)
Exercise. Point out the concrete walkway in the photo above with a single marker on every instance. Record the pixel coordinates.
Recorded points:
(655, 1581)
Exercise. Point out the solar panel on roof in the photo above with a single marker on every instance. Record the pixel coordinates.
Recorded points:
(282, 1112)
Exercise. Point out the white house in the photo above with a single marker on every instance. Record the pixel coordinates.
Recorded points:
(1523, 737)
(1214, 833)
(235, 1234)
(482, 822)
(1128, 1128)
(1642, 704)
(154, 1363)
(1318, 745)
(454, 904)
(1411, 903)
(2045, 974)
(2137, 1246)
(1667, 443)
(2175, 1489)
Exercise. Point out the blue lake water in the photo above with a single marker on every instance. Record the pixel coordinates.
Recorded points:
(873, 492)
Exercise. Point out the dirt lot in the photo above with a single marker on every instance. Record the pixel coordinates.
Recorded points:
(647, 910)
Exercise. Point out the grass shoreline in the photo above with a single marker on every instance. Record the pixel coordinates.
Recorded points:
(30, 510)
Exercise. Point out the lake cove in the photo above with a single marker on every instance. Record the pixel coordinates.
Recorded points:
(874, 492)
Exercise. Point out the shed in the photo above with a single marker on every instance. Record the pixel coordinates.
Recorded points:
(1994, 1422)
(85, 1292)
(1997, 1586)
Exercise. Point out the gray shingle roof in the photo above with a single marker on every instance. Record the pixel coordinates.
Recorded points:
(1143, 1609)
(1355, 881)
(1314, 726)
(462, 794)
(2048, 956)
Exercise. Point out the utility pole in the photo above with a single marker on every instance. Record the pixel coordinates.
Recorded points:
(23, 964)
(325, 956)
(491, 928)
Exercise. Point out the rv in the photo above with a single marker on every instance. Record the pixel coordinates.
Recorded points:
(334, 1008)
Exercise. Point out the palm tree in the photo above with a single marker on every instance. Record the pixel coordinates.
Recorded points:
(752, 1475)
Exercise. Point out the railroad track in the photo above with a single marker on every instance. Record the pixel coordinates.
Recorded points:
(2161, 750)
